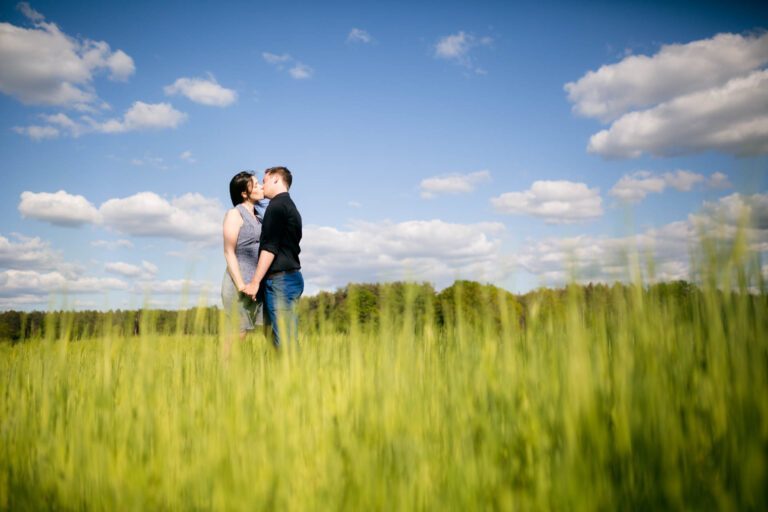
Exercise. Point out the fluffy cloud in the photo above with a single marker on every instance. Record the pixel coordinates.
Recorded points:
(273, 58)
(187, 157)
(140, 116)
(59, 208)
(29, 12)
(683, 180)
(297, 70)
(64, 122)
(719, 180)
(55, 126)
(31, 272)
(44, 66)
(457, 48)
(557, 202)
(357, 35)
(146, 270)
(732, 118)
(29, 282)
(37, 132)
(191, 217)
(730, 213)
(676, 70)
(687, 98)
(144, 116)
(25, 253)
(301, 71)
(602, 259)
(634, 187)
(452, 184)
(203, 91)
(605, 259)
(433, 250)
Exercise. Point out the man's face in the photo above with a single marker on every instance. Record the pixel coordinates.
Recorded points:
(269, 181)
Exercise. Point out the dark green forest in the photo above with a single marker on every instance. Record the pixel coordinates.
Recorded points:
(361, 306)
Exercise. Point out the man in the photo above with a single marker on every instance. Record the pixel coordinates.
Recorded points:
(279, 264)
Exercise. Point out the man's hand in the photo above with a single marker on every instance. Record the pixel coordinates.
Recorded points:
(251, 289)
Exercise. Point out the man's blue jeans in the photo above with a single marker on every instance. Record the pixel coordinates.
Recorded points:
(281, 296)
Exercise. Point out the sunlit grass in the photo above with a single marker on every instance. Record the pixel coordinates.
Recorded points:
(624, 397)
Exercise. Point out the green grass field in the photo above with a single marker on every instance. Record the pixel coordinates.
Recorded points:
(629, 399)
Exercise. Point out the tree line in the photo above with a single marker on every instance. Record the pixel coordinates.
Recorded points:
(356, 306)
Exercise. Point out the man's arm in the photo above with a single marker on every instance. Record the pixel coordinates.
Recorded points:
(265, 261)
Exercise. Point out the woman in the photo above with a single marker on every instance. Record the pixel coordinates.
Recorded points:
(242, 229)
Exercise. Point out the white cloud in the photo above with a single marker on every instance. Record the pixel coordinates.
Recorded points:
(732, 211)
(191, 217)
(602, 259)
(556, 202)
(37, 132)
(435, 251)
(635, 186)
(140, 116)
(298, 70)
(59, 208)
(26, 253)
(710, 94)
(145, 116)
(719, 180)
(57, 124)
(457, 48)
(676, 70)
(358, 35)
(732, 118)
(274, 58)
(452, 183)
(29, 282)
(146, 270)
(301, 71)
(65, 122)
(112, 245)
(203, 91)
(29, 12)
(153, 161)
(44, 66)
(22, 302)
(187, 157)
(606, 259)
(120, 65)
(683, 180)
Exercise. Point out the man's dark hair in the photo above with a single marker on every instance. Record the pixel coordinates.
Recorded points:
(284, 174)
(242, 182)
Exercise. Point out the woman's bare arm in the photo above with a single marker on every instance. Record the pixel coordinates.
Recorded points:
(232, 224)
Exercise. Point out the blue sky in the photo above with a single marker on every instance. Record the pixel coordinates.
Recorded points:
(496, 141)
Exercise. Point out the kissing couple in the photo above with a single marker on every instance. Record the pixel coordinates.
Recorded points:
(263, 281)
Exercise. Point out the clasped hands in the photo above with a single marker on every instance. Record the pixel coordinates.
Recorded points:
(251, 289)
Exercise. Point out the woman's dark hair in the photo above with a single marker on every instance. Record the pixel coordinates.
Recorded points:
(239, 184)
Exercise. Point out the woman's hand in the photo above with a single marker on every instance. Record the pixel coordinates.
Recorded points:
(251, 289)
